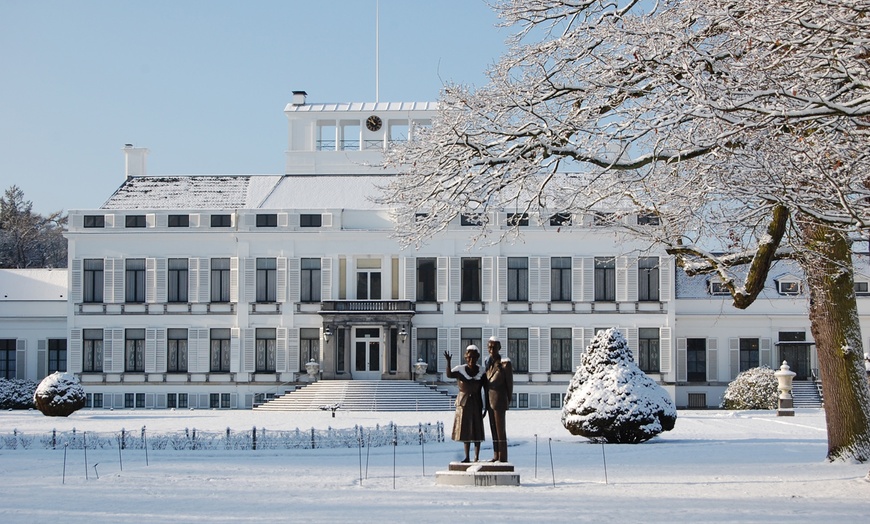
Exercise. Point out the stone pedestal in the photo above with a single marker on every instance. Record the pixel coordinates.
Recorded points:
(478, 474)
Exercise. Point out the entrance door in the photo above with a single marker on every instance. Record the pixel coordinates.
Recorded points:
(798, 358)
(367, 353)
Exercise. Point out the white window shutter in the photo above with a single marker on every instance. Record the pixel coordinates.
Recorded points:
(502, 279)
(534, 279)
(326, 220)
(578, 344)
(41, 358)
(150, 350)
(666, 280)
(281, 349)
(546, 350)
(76, 279)
(631, 280)
(713, 359)
(455, 287)
(665, 349)
(113, 350)
(249, 342)
(74, 355)
(486, 284)
(21, 358)
(235, 350)
(442, 279)
(281, 279)
(682, 360)
(622, 280)
(544, 280)
(250, 279)
(734, 349)
(234, 280)
(410, 274)
(631, 336)
(325, 283)
(294, 276)
(534, 349)
(203, 355)
(160, 340)
(293, 350)
(765, 357)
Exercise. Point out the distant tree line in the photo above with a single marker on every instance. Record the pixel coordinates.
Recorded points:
(28, 239)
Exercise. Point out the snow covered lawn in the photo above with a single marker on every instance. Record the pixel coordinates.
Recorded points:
(715, 466)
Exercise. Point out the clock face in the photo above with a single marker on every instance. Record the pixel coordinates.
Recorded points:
(373, 123)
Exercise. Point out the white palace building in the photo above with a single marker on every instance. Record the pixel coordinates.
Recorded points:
(217, 291)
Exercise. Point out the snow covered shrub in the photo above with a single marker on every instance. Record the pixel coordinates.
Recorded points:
(754, 388)
(16, 393)
(611, 400)
(59, 395)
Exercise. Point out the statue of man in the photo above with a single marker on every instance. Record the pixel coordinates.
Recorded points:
(499, 386)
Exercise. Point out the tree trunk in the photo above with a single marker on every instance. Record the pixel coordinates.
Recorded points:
(837, 333)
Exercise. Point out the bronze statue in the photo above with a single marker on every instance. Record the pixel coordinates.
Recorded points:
(468, 421)
(499, 386)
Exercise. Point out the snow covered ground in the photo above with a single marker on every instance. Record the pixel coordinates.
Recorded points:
(715, 466)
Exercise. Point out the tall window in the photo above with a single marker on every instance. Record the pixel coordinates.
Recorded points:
(220, 280)
(648, 349)
(310, 277)
(265, 350)
(696, 359)
(134, 350)
(7, 358)
(469, 336)
(518, 348)
(134, 281)
(470, 273)
(177, 280)
(220, 350)
(518, 279)
(266, 274)
(176, 350)
(427, 280)
(92, 342)
(560, 350)
(93, 281)
(56, 355)
(427, 348)
(748, 353)
(648, 279)
(368, 279)
(605, 279)
(309, 345)
(560, 279)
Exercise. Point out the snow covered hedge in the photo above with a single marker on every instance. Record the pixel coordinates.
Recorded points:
(611, 400)
(16, 393)
(59, 395)
(754, 388)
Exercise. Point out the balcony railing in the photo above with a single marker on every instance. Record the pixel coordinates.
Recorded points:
(365, 306)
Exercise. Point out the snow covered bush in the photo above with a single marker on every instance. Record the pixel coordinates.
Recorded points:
(59, 395)
(16, 393)
(611, 400)
(754, 388)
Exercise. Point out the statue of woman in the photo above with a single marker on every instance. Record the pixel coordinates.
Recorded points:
(468, 422)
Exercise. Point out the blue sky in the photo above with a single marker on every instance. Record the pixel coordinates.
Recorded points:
(203, 83)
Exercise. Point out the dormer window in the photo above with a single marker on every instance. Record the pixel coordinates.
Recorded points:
(718, 288)
(788, 287)
(267, 220)
(602, 219)
(470, 219)
(94, 221)
(862, 288)
(310, 220)
(221, 221)
(648, 219)
(134, 221)
(518, 219)
(560, 219)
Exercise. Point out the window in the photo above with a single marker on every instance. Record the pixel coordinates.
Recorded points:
(789, 287)
(518, 219)
(469, 336)
(176, 400)
(518, 279)
(560, 219)
(556, 400)
(220, 350)
(696, 359)
(560, 279)
(648, 345)
(220, 280)
(748, 353)
(427, 348)
(134, 400)
(718, 288)
(177, 280)
(178, 221)
(603, 219)
(221, 221)
(92, 342)
(134, 221)
(93, 281)
(134, 350)
(56, 355)
(648, 219)
(605, 279)
(219, 400)
(94, 221)
(648, 279)
(862, 288)
(176, 350)
(560, 350)
(265, 350)
(518, 348)
(310, 220)
(470, 280)
(427, 279)
(310, 276)
(93, 400)
(309, 345)
(266, 284)
(7, 358)
(134, 281)
(519, 401)
(470, 219)
(368, 279)
(267, 220)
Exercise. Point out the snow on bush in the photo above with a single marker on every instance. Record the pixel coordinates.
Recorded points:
(16, 393)
(754, 388)
(59, 395)
(611, 400)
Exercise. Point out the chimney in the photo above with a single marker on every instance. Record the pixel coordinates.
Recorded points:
(134, 160)
(299, 98)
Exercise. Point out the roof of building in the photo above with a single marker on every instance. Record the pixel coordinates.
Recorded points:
(345, 107)
(33, 284)
(327, 192)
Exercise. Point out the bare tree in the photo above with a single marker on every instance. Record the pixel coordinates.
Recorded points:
(741, 125)
(29, 239)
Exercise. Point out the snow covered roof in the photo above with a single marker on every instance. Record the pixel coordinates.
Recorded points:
(697, 286)
(361, 106)
(33, 284)
(327, 191)
(192, 192)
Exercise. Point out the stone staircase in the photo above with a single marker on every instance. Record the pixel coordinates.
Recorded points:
(363, 395)
(807, 394)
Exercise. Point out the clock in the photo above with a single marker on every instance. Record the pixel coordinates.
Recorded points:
(373, 123)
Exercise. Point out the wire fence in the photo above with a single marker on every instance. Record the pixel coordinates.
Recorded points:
(256, 438)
